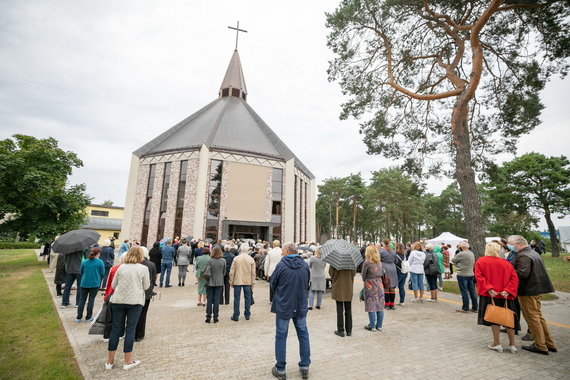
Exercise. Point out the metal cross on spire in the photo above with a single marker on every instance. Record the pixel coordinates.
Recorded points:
(237, 29)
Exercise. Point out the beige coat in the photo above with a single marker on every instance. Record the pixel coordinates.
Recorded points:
(242, 271)
(273, 258)
(342, 283)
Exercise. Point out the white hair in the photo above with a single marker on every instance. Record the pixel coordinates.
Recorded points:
(145, 251)
(430, 246)
(517, 240)
(106, 243)
(462, 245)
(244, 248)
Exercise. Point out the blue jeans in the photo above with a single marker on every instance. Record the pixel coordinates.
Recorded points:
(247, 296)
(467, 288)
(69, 278)
(165, 267)
(376, 318)
(282, 329)
(122, 312)
(92, 294)
(319, 297)
(402, 286)
(417, 281)
(213, 299)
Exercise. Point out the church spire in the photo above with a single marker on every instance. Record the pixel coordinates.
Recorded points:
(234, 81)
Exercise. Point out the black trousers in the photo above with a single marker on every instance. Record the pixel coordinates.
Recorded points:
(225, 293)
(270, 291)
(344, 316)
(141, 324)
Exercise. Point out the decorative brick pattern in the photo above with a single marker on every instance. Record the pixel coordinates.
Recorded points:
(171, 157)
(190, 198)
(301, 175)
(139, 203)
(223, 197)
(269, 195)
(232, 157)
(172, 197)
(155, 204)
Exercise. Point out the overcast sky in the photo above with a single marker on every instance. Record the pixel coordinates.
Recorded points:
(106, 77)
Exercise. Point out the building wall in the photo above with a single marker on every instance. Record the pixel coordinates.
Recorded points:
(113, 212)
(246, 192)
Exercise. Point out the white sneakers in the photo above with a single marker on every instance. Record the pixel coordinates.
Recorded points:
(135, 363)
(497, 348)
(126, 367)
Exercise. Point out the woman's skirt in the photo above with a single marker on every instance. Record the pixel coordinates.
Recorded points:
(485, 301)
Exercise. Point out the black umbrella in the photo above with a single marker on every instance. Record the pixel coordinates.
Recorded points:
(76, 240)
(189, 238)
(341, 254)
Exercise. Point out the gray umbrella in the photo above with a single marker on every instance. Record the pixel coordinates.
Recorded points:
(341, 254)
(305, 248)
(76, 240)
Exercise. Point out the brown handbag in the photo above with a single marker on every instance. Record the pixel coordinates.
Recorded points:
(502, 316)
(385, 281)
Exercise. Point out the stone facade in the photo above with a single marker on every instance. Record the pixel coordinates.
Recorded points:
(172, 197)
(269, 195)
(139, 204)
(226, 167)
(190, 198)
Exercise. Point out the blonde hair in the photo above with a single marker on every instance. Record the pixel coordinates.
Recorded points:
(417, 246)
(201, 244)
(372, 255)
(134, 255)
(318, 253)
(492, 249)
(276, 243)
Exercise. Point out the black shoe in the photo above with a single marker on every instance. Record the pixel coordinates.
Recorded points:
(473, 311)
(553, 349)
(304, 373)
(207, 320)
(532, 348)
(310, 308)
(318, 308)
(138, 339)
(215, 320)
(161, 285)
(234, 319)
(367, 327)
(179, 284)
(339, 333)
(280, 376)
(527, 338)
(348, 333)
(183, 284)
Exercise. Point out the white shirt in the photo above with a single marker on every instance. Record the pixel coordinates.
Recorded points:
(273, 258)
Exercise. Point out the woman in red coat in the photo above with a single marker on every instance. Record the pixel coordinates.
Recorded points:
(496, 278)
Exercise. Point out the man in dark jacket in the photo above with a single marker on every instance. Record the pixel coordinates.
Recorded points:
(225, 294)
(533, 282)
(72, 274)
(141, 324)
(108, 258)
(290, 284)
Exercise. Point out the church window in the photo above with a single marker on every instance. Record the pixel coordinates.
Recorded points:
(235, 92)
(225, 92)
(180, 198)
(164, 200)
(148, 202)
(214, 193)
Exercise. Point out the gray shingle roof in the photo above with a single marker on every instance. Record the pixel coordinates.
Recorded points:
(111, 224)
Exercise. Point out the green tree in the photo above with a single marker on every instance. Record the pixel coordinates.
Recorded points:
(34, 196)
(445, 212)
(537, 183)
(461, 75)
(108, 202)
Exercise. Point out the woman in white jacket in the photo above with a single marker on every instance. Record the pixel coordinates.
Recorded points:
(416, 262)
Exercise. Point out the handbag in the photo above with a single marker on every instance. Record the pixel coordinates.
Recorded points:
(104, 320)
(385, 281)
(502, 316)
(361, 296)
(206, 272)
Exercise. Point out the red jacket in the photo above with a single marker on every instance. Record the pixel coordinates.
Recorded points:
(497, 274)
(109, 290)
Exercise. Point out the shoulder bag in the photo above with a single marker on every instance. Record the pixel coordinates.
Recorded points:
(502, 316)
(206, 272)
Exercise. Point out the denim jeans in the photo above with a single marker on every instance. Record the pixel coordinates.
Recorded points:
(105, 277)
(467, 288)
(319, 297)
(213, 299)
(376, 318)
(165, 267)
(402, 286)
(92, 294)
(69, 278)
(281, 331)
(417, 281)
(122, 312)
(247, 296)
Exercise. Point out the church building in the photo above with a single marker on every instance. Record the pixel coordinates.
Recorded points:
(220, 173)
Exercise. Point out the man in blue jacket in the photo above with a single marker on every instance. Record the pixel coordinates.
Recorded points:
(166, 263)
(290, 284)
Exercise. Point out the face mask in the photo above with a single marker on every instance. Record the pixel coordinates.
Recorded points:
(512, 248)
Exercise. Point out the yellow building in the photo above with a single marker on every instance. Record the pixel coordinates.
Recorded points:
(106, 220)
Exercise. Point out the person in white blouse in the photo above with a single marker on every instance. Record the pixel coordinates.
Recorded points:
(273, 258)
(129, 284)
(416, 262)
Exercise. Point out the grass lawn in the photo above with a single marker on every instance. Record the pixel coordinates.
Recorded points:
(558, 270)
(33, 344)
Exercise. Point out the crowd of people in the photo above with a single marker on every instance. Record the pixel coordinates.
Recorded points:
(511, 273)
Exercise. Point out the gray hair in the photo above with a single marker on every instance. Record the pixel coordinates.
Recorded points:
(244, 248)
(290, 248)
(430, 246)
(227, 247)
(462, 245)
(517, 240)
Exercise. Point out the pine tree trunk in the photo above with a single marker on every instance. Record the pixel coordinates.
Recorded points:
(465, 176)
(552, 231)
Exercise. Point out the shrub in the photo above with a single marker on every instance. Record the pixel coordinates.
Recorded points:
(18, 245)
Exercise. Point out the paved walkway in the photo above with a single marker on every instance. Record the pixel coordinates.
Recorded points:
(418, 341)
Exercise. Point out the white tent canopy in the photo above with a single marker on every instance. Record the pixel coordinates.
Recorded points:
(448, 239)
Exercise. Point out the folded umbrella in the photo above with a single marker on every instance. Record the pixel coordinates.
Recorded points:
(76, 240)
(341, 254)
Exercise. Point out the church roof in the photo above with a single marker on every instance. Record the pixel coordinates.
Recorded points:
(227, 124)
